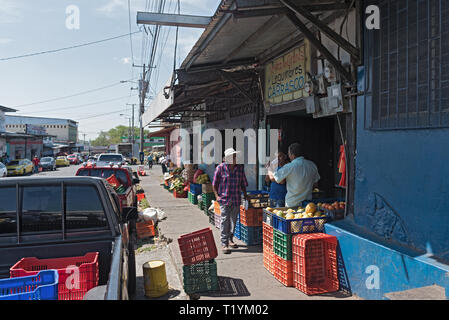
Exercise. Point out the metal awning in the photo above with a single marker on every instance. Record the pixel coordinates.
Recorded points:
(240, 38)
(162, 133)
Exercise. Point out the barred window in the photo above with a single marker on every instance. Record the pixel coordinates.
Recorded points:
(409, 61)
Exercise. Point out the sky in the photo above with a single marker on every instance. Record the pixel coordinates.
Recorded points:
(32, 26)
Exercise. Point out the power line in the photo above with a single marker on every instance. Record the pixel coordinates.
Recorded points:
(130, 36)
(101, 115)
(68, 48)
(70, 96)
(81, 105)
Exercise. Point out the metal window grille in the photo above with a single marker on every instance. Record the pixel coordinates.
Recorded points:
(409, 62)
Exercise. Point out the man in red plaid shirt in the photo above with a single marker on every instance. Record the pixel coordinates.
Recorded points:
(228, 185)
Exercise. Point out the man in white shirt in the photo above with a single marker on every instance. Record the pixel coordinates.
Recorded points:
(301, 175)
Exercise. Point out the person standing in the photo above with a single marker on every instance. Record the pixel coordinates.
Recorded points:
(278, 191)
(36, 164)
(228, 184)
(300, 174)
(150, 161)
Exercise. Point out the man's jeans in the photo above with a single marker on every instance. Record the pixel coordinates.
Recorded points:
(229, 215)
(277, 203)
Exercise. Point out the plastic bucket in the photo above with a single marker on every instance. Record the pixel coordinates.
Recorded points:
(155, 279)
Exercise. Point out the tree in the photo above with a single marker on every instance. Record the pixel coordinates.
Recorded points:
(114, 136)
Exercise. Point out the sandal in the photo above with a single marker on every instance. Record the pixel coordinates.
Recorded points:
(233, 245)
(226, 250)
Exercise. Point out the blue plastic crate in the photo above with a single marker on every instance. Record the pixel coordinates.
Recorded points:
(237, 233)
(42, 286)
(294, 226)
(252, 236)
(196, 188)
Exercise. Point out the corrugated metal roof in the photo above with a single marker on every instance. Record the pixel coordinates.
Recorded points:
(9, 119)
(228, 38)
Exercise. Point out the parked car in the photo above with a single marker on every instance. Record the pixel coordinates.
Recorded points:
(48, 163)
(20, 167)
(124, 175)
(3, 170)
(73, 159)
(107, 159)
(69, 217)
(62, 161)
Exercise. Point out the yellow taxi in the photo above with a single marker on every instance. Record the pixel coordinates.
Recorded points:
(19, 167)
(62, 161)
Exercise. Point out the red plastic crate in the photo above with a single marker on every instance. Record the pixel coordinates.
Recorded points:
(267, 236)
(315, 263)
(87, 273)
(252, 217)
(283, 271)
(145, 229)
(268, 260)
(197, 246)
(180, 195)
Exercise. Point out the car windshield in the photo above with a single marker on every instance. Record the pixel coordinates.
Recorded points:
(61, 158)
(111, 158)
(46, 160)
(14, 163)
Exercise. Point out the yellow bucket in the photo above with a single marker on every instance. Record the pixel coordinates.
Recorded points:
(155, 279)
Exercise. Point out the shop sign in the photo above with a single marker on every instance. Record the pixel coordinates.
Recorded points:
(285, 76)
(36, 130)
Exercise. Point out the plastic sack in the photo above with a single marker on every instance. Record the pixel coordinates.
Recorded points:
(150, 214)
(161, 215)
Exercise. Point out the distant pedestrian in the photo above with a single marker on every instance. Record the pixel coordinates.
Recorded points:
(164, 165)
(228, 184)
(150, 161)
(36, 164)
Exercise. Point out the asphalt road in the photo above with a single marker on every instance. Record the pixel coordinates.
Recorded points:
(60, 172)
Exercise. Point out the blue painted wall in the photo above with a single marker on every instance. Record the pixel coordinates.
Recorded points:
(365, 258)
(402, 183)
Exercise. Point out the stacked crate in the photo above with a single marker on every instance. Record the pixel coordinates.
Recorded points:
(268, 254)
(237, 229)
(282, 249)
(207, 201)
(198, 251)
(251, 226)
(315, 268)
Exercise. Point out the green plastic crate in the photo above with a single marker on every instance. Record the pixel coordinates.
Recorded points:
(200, 277)
(192, 198)
(282, 244)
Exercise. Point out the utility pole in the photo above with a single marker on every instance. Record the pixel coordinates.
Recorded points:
(143, 91)
(132, 138)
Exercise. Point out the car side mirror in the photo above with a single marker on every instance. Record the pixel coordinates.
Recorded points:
(129, 213)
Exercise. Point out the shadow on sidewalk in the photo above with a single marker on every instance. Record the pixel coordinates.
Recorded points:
(247, 249)
(228, 287)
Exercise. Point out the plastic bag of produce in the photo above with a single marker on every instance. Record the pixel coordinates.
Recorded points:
(197, 174)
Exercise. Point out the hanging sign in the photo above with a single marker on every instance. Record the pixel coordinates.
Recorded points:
(285, 76)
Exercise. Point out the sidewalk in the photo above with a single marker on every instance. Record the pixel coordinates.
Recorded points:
(242, 274)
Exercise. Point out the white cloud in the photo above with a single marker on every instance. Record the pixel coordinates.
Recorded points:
(126, 60)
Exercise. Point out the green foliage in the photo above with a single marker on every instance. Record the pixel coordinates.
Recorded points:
(114, 136)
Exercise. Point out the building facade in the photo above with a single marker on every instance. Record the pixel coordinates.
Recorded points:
(65, 131)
